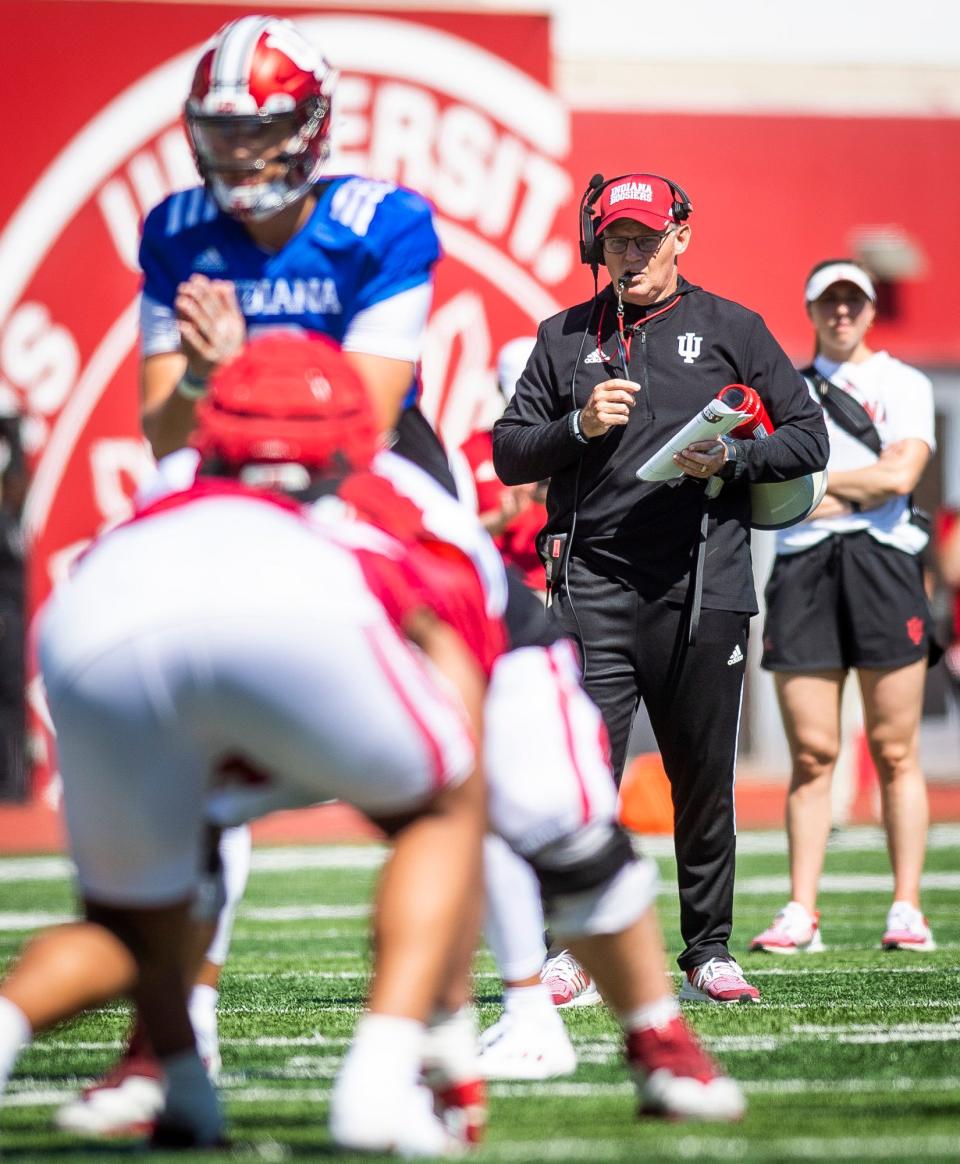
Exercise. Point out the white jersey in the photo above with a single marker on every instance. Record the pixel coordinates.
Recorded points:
(220, 660)
(899, 400)
(545, 760)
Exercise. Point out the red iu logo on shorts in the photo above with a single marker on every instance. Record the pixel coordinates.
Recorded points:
(915, 630)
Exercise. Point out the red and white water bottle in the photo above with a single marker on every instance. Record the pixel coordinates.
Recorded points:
(745, 399)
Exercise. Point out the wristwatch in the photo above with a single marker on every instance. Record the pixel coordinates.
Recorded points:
(734, 464)
(573, 427)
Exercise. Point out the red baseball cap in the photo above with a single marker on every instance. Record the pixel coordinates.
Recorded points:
(641, 197)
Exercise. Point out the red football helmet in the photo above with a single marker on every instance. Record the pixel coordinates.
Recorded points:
(288, 398)
(258, 116)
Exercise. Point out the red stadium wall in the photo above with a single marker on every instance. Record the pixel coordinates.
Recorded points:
(457, 105)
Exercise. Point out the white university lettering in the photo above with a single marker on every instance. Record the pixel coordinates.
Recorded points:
(268, 297)
(635, 191)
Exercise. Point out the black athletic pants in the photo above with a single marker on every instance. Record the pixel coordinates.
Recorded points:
(416, 440)
(635, 649)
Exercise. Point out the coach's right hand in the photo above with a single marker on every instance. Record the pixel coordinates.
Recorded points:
(609, 406)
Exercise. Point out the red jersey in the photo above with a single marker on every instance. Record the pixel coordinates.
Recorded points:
(517, 543)
(429, 572)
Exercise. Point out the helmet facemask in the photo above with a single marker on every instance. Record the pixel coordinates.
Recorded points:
(231, 149)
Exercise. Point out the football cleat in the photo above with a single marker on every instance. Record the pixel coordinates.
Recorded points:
(462, 1109)
(677, 1079)
(126, 1102)
(526, 1048)
(405, 1125)
(794, 931)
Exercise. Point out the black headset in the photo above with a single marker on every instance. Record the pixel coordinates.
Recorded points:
(591, 249)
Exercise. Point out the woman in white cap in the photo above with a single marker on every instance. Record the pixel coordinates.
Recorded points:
(846, 593)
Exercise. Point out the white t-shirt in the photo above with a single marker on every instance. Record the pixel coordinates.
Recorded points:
(899, 400)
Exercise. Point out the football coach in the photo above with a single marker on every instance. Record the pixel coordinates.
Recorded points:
(654, 580)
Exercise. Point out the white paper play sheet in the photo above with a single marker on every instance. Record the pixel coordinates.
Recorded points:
(714, 420)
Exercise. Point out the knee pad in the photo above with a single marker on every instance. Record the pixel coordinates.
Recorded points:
(582, 860)
(608, 908)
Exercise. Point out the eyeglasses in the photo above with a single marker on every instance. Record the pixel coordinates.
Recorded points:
(645, 244)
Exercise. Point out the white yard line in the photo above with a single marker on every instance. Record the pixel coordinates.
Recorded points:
(840, 883)
(237, 1088)
(860, 839)
(296, 913)
(14, 921)
(601, 1048)
(708, 1148)
(304, 857)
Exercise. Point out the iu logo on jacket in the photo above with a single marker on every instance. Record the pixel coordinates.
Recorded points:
(688, 345)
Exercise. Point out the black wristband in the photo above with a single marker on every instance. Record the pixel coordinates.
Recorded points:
(573, 427)
(191, 387)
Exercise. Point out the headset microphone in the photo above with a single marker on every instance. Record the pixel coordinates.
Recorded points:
(590, 195)
(591, 253)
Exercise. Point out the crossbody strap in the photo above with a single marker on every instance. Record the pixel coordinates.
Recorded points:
(853, 418)
(848, 413)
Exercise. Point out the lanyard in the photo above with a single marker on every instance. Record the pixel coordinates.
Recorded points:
(624, 335)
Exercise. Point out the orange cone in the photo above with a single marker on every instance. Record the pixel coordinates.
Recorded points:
(645, 805)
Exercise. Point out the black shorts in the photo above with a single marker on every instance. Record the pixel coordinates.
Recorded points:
(848, 601)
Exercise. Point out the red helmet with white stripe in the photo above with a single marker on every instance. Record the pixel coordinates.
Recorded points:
(290, 399)
(258, 116)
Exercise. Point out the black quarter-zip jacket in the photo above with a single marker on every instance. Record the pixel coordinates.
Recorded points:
(644, 533)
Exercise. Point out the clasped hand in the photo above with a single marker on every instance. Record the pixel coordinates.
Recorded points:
(212, 327)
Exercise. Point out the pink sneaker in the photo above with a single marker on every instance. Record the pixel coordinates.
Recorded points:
(567, 981)
(907, 929)
(719, 980)
(794, 931)
(677, 1078)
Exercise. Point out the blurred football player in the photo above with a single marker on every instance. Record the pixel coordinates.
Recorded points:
(208, 662)
(267, 242)
(551, 792)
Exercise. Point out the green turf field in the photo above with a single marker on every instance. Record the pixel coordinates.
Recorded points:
(853, 1054)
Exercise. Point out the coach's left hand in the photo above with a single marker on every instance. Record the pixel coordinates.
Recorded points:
(701, 459)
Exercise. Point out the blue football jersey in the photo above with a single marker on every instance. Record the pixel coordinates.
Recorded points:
(365, 242)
